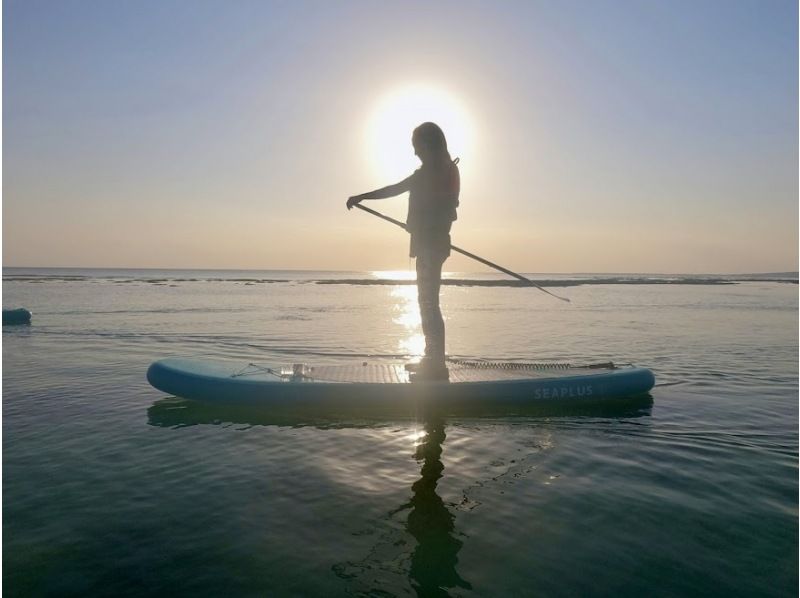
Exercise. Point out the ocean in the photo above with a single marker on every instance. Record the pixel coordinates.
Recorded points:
(111, 488)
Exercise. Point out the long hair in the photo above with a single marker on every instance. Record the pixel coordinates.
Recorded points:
(430, 135)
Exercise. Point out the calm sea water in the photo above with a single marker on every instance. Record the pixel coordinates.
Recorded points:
(112, 488)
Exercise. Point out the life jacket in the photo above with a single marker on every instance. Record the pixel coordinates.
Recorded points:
(433, 199)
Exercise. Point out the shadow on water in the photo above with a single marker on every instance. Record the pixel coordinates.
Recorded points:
(175, 412)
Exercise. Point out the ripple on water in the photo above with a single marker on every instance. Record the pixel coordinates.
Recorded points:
(112, 488)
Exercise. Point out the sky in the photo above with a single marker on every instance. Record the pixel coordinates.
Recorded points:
(604, 136)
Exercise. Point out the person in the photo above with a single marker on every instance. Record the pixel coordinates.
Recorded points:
(433, 198)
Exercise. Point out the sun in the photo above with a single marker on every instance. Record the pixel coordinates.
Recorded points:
(398, 113)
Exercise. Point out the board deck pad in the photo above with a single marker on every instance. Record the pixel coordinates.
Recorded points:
(397, 374)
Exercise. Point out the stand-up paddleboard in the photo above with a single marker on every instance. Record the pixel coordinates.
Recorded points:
(16, 316)
(471, 382)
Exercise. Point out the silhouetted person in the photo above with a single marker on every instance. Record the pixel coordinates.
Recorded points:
(432, 203)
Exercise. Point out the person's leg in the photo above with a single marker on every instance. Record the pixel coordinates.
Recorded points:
(429, 280)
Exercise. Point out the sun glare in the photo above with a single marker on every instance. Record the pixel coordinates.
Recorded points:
(395, 117)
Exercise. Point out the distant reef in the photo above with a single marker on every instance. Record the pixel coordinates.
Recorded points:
(782, 278)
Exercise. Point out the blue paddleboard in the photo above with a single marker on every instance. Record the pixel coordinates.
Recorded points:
(365, 384)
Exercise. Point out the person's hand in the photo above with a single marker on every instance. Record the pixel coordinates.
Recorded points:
(353, 201)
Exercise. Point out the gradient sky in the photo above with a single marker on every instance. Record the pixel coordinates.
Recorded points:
(603, 136)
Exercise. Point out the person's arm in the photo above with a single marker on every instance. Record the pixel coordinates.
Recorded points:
(382, 193)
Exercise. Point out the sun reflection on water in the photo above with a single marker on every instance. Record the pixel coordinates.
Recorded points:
(406, 314)
(417, 437)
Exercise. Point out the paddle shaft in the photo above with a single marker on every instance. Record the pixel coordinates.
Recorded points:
(467, 253)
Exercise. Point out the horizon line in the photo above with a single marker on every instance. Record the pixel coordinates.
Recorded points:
(487, 271)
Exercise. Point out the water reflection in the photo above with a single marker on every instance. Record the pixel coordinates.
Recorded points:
(417, 544)
(394, 274)
(174, 412)
(434, 560)
(406, 314)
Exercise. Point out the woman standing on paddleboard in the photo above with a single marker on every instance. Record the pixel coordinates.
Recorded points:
(432, 203)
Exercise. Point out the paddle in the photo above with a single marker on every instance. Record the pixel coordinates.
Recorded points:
(467, 253)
